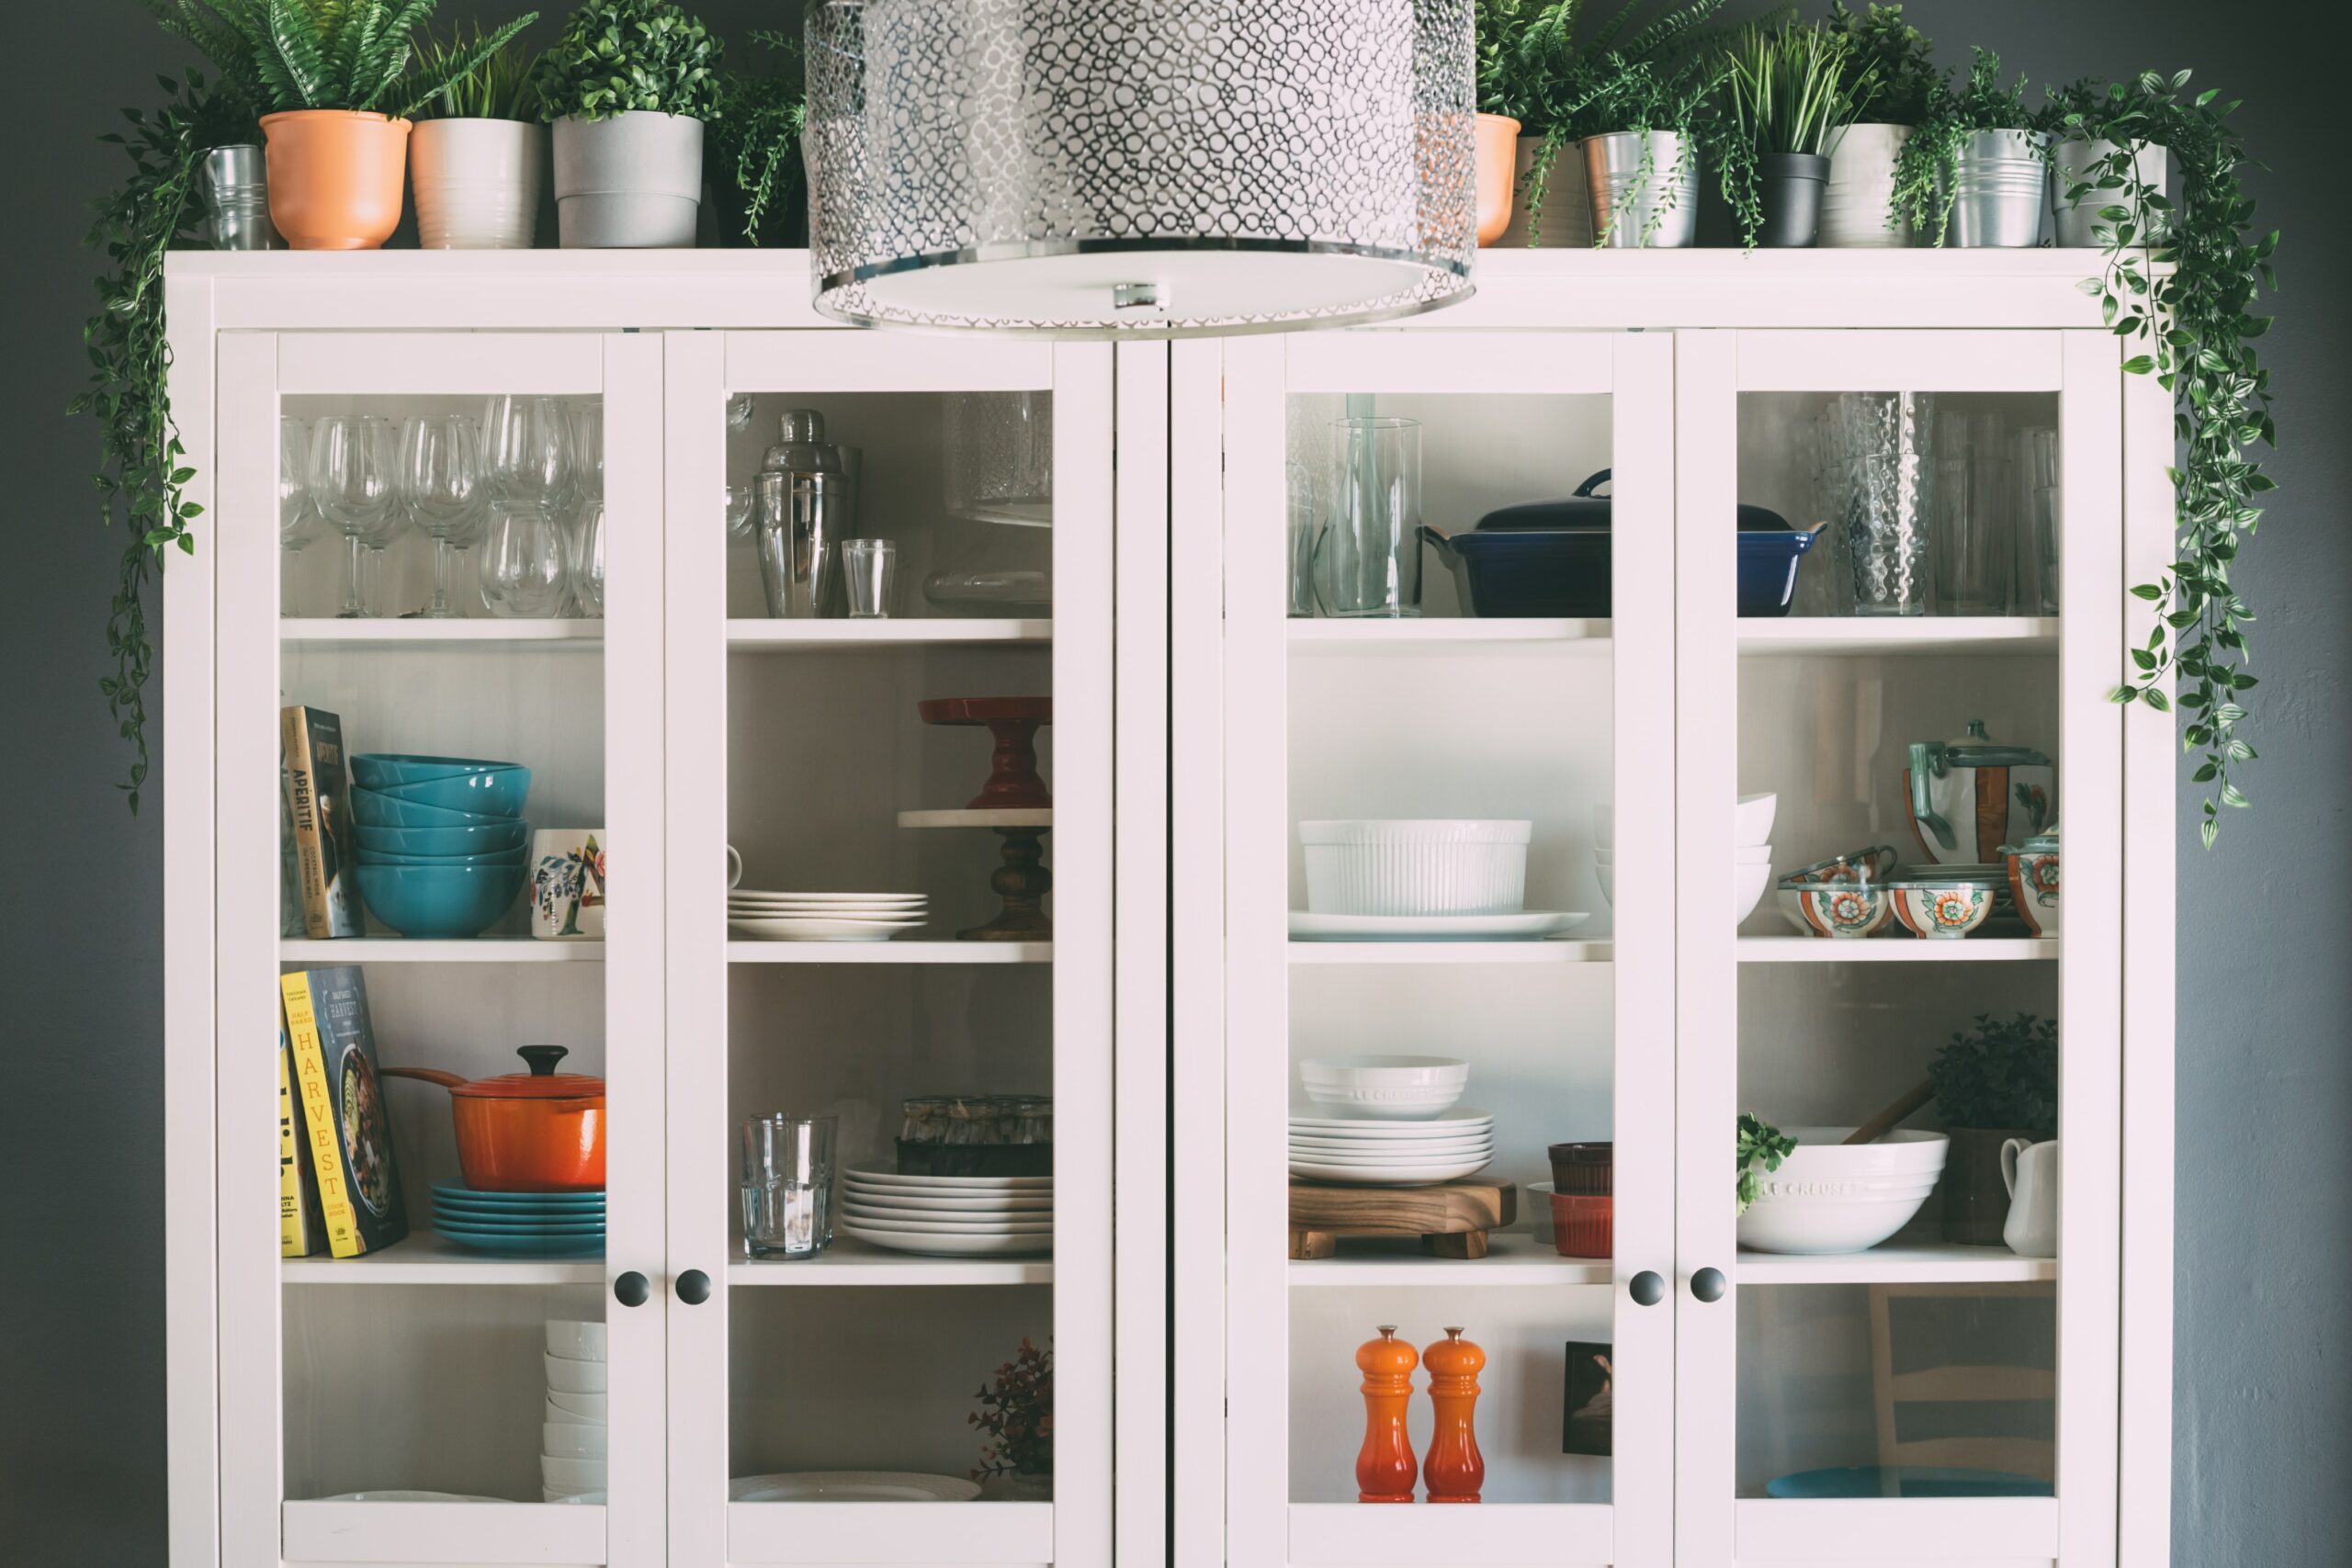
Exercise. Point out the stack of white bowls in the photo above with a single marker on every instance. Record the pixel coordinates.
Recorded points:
(1384, 1089)
(1751, 871)
(1832, 1196)
(571, 1442)
(1388, 1121)
(949, 1216)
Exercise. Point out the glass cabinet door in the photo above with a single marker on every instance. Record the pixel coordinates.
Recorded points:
(437, 703)
(890, 1007)
(1448, 1141)
(1892, 700)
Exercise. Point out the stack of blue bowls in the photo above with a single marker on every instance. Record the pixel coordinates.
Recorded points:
(443, 849)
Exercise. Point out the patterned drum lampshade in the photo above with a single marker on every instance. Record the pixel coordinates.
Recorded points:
(1139, 168)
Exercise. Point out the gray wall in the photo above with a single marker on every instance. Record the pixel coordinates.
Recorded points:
(2264, 1426)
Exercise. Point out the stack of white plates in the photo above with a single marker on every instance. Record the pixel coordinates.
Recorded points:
(824, 917)
(1379, 1153)
(949, 1216)
(571, 1442)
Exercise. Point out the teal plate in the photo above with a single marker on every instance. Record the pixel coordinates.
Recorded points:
(1904, 1480)
(448, 1222)
(454, 1192)
(591, 1206)
(533, 1245)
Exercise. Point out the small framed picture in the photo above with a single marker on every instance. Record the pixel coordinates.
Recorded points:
(1585, 1425)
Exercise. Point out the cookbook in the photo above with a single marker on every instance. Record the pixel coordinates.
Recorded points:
(301, 1229)
(341, 1105)
(318, 798)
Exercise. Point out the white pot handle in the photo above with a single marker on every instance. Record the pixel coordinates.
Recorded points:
(2010, 1149)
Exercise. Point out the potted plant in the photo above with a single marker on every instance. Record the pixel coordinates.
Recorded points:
(1017, 1412)
(1995, 1083)
(1760, 1144)
(1790, 97)
(758, 182)
(2093, 170)
(627, 88)
(1648, 127)
(1888, 70)
(1974, 170)
(335, 80)
(478, 155)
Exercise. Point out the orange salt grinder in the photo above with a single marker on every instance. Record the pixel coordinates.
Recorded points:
(1385, 1467)
(1453, 1471)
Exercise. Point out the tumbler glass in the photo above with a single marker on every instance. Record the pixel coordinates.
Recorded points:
(787, 1189)
(870, 569)
(1971, 531)
(2033, 465)
(1299, 559)
(1882, 442)
(1368, 558)
(524, 564)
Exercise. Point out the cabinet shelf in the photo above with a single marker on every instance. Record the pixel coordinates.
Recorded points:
(1358, 1537)
(781, 636)
(469, 949)
(1465, 635)
(1896, 1262)
(890, 953)
(851, 1262)
(400, 633)
(1910, 635)
(441, 1533)
(1794, 949)
(425, 1257)
(843, 1533)
(1554, 950)
(1513, 1257)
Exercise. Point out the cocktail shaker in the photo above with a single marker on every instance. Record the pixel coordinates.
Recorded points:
(802, 513)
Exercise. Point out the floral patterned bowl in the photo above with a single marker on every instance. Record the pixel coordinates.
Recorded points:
(2032, 869)
(1838, 908)
(1942, 903)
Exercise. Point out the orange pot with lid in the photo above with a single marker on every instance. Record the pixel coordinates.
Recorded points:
(537, 1132)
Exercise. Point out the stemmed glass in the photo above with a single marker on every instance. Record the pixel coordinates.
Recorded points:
(353, 460)
(441, 480)
(586, 544)
(528, 455)
(298, 520)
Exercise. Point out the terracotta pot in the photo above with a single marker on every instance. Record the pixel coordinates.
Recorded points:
(335, 177)
(1498, 151)
(536, 1132)
(1975, 1201)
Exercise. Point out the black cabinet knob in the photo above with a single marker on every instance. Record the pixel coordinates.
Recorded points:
(693, 1287)
(1707, 1284)
(1647, 1288)
(631, 1289)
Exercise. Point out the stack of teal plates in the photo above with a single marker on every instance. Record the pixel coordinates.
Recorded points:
(521, 1225)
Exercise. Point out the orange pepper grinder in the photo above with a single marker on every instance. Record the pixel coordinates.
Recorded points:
(1384, 1468)
(1454, 1470)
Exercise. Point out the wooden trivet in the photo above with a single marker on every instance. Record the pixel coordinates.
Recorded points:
(1451, 1217)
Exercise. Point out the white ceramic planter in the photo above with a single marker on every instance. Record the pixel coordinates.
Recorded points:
(1562, 212)
(2076, 219)
(633, 181)
(1430, 867)
(1861, 182)
(477, 183)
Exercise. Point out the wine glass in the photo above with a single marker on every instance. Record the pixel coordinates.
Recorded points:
(524, 566)
(526, 452)
(585, 593)
(352, 463)
(441, 480)
(586, 565)
(298, 520)
(738, 511)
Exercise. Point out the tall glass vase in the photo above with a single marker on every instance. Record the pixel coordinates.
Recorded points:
(1368, 556)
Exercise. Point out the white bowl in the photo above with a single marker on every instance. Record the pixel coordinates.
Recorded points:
(1749, 881)
(574, 1377)
(572, 1441)
(576, 1341)
(1749, 854)
(576, 1409)
(561, 1474)
(1752, 818)
(1433, 866)
(1827, 1197)
(1398, 1088)
(1391, 1104)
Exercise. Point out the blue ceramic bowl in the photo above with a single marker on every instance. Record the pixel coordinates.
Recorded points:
(489, 839)
(383, 770)
(1768, 569)
(439, 900)
(373, 808)
(385, 857)
(498, 794)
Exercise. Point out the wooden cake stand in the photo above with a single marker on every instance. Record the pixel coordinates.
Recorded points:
(1014, 784)
(1015, 805)
(1452, 1218)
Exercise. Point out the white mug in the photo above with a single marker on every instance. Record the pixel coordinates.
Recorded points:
(2029, 1170)
(568, 883)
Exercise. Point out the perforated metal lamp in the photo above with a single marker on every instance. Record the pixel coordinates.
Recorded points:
(1139, 168)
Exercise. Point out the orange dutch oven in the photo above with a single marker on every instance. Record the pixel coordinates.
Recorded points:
(537, 1132)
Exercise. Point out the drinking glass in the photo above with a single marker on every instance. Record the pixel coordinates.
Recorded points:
(2033, 464)
(353, 460)
(584, 539)
(1971, 530)
(586, 565)
(298, 520)
(739, 511)
(523, 567)
(787, 1189)
(1881, 440)
(1368, 554)
(1299, 560)
(871, 567)
(441, 480)
(527, 447)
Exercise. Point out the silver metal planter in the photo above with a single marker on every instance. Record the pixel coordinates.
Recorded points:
(236, 200)
(2069, 160)
(1792, 198)
(2000, 187)
(1645, 190)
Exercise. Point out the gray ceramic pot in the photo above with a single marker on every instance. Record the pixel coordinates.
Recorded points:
(2000, 188)
(633, 181)
(1792, 184)
(1654, 199)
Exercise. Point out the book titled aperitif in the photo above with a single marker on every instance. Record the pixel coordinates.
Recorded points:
(342, 1109)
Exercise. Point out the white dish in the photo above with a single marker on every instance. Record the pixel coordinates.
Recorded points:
(922, 1204)
(409, 1498)
(1393, 1104)
(1028, 1225)
(1828, 1197)
(1445, 1124)
(967, 1186)
(932, 1244)
(576, 1341)
(565, 1475)
(574, 1409)
(804, 928)
(1528, 925)
(850, 1486)
(572, 1441)
(574, 1377)
(1398, 1174)
(1437, 867)
(1752, 821)
(1395, 1088)
(1000, 1219)
(802, 907)
(1342, 1150)
(754, 895)
(1748, 882)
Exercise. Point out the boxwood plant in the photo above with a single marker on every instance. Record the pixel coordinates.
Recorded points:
(619, 55)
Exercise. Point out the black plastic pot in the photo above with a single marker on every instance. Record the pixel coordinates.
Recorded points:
(1792, 183)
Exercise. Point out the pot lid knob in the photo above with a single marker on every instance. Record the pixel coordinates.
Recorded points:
(542, 1058)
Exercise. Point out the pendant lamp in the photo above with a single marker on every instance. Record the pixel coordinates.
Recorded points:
(1139, 168)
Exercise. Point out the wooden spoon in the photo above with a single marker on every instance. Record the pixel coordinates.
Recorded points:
(1880, 1126)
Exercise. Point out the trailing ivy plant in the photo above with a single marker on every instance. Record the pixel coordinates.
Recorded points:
(327, 54)
(1889, 68)
(755, 138)
(1924, 188)
(616, 56)
(2181, 275)
(1760, 1144)
(142, 472)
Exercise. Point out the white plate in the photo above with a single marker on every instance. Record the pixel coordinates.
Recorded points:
(885, 1208)
(1400, 1175)
(752, 895)
(1528, 925)
(1340, 1143)
(960, 1186)
(935, 1245)
(950, 1227)
(801, 906)
(1028, 1220)
(804, 928)
(1457, 1123)
(850, 1486)
(1389, 1156)
(825, 912)
(410, 1497)
(934, 1203)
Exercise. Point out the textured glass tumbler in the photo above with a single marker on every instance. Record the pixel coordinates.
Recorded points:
(871, 570)
(1971, 531)
(1882, 442)
(787, 1188)
(1368, 557)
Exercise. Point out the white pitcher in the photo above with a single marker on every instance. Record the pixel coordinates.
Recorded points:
(2029, 1170)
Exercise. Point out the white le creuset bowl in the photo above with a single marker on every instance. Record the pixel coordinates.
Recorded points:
(1397, 1087)
(1394, 1104)
(1752, 818)
(571, 1474)
(567, 1440)
(1828, 1197)
(576, 1341)
(574, 1377)
(1428, 867)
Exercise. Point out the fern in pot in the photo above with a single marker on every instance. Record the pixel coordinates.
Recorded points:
(1975, 171)
(1790, 99)
(1889, 73)
(477, 157)
(627, 88)
(335, 82)
(758, 180)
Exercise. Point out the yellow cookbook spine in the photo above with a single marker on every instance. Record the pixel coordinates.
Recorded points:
(291, 1242)
(317, 1091)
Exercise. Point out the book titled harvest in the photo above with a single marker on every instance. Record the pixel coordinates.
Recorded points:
(319, 797)
(301, 1230)
(342, 1109)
